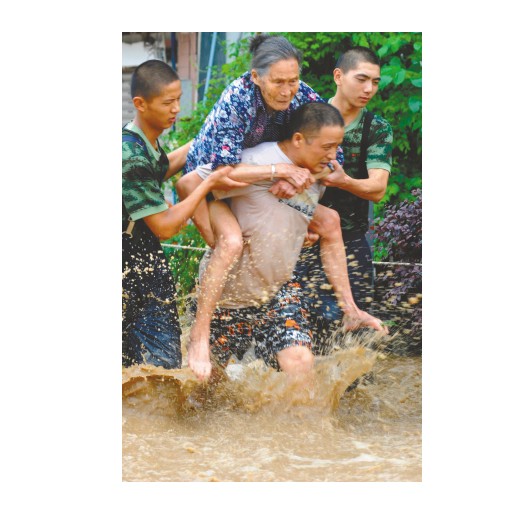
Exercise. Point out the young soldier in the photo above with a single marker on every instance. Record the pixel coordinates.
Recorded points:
(367, 149)
(150, 324)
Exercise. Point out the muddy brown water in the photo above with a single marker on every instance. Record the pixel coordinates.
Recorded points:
(253, 424)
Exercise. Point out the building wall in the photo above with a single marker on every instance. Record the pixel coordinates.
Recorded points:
(137, 52)
(187, 65)
(134, 54)
(127, 106)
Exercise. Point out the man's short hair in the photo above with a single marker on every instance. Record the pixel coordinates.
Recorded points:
(311, 117)
(150, 77)
(351, 58)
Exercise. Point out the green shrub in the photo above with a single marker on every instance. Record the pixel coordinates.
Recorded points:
(184, 262)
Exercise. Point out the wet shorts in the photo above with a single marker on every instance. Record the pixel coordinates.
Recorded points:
(279, 324)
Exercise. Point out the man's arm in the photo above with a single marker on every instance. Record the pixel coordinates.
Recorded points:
(299, 178)
(177, 159)
(295, 178)
(167, 223)
(378, 162)
(372, 188)
(240, 176)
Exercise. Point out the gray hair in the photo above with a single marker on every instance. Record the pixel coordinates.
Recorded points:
(269, 49)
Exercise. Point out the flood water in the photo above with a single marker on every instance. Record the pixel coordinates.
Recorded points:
(253, 424)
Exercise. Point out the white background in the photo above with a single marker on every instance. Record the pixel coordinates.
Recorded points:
(61, 401)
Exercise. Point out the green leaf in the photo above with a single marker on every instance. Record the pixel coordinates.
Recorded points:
(385, 80)
(396, 62)
(389, 70)
(417, 82)
(414, 103)
(363, 40)
(393, 189)
(399, 78)
(383, 50)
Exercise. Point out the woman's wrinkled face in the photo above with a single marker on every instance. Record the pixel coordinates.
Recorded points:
(280, 85)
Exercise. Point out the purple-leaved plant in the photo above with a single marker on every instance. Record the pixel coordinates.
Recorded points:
(398, 239)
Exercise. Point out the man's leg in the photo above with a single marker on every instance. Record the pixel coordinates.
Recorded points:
(296, 361)
(227, 250)
(361, 268)
(283, 339)
(283, 336)
(319, 300)
(150, 322)
(154, 336)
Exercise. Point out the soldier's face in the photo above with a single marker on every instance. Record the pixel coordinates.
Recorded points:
(359, 85)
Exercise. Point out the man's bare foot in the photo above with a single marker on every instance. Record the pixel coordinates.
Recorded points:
(198, 354)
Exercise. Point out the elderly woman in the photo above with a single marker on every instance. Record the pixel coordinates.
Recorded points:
(254, 107)
(251, 110)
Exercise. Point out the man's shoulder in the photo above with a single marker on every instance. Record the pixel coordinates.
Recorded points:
(379, 128)
(133, 143)
(138, 161)
(379, 123)
(380, 131)
(133, 146)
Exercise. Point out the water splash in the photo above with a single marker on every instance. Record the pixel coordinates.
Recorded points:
(249, 387)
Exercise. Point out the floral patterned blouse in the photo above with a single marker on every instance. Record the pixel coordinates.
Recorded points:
(239, 120)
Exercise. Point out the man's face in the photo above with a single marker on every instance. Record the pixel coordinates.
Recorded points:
(161, 110)
(280, 85)
(317, 149)
(358, 86)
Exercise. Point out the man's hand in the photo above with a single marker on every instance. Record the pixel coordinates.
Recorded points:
(292, 180)
(336, 178)
(300, 178)
(283, 189)
(198, 359)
